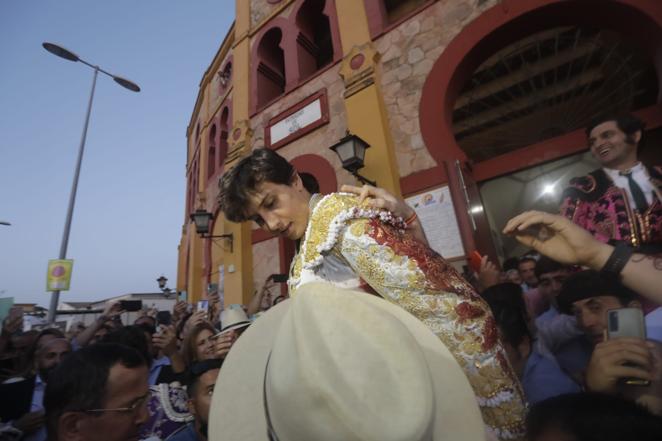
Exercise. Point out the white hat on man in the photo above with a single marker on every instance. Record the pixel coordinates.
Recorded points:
(234, 317)
(333, 364)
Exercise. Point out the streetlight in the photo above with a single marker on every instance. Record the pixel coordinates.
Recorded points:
(163, 286)
(351, 151)
(68, 55)
(202, 220)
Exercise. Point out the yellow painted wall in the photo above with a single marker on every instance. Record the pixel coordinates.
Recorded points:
(195, 282)
(239, 264)
(365, 114)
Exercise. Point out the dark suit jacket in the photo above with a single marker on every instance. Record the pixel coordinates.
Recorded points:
(16, 398)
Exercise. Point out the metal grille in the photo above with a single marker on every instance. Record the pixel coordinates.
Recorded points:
(548, 84)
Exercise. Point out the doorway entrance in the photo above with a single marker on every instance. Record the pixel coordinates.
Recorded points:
(536, 188)
(510, 95)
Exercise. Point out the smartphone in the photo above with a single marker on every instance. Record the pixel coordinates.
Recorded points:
(131, 305)
(474, 261)
(182, 295)
(279, 278)
(164, 318)
(203, 305)
(212, 288)
(627, 322)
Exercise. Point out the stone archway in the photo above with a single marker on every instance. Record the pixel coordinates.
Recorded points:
(640, 21)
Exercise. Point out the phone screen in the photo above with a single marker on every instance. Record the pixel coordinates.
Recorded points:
(627, 322)
(164, 318)
(203, 305)
(131, 305)
(474, 261)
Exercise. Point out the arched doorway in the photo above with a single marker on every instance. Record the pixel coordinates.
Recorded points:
(514, 88)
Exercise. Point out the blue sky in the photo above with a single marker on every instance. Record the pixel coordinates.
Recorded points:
(130, 205)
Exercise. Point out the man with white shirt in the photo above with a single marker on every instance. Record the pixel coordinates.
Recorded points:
(31, 390)
(619, 202)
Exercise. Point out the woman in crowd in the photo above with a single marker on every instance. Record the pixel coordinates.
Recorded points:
(199, 343)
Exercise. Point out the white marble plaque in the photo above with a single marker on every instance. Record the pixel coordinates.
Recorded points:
(297, 121)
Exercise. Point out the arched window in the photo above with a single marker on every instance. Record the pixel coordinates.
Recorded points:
(314, 41)
(223, 141)
(224, 76)
(271, 67)
(396, 9)
(211, 156)
(549, 84)
(193, 185)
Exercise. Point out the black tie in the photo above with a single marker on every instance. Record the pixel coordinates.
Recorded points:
(637, 192)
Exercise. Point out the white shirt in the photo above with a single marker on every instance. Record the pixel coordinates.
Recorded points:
(36, 406)
(653, 322)
(640, 176)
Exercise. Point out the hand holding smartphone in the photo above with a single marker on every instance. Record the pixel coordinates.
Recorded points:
(203, 305)
(627, 323)
(131, 305)
(474, 261)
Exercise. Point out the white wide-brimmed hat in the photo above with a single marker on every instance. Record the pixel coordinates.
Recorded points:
(234, 317)
(333, 364)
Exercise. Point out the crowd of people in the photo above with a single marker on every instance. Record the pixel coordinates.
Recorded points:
(115, 380)
(380, 337)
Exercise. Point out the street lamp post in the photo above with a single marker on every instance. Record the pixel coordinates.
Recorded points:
(68, 55)
(163, 286)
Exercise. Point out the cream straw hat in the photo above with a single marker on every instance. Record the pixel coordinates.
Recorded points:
(234, 318)
(333, 364)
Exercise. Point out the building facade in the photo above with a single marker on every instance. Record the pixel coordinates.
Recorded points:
(473, 109)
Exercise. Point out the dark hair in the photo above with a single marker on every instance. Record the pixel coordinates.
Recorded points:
(590, 283)
(149, 317)
(546, 265)
(628, 123)
(593, 416)
(79, 382)
(506, 301)
(526, 258)
(132, 336)
(196, 370)
(147, 328)
(510, 263)
(189, 349)
(32, 350)
(239, 183)
(309, 182)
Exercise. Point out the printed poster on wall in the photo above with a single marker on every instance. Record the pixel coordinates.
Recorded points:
(435, 210)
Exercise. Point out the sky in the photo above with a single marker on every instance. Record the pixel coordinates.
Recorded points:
(130, 205)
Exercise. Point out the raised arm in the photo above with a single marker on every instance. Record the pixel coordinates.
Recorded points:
(112, 309)
(560, 239)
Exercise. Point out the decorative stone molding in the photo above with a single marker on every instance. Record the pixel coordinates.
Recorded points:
(240, 142)
(200, 199)
(358, 68)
